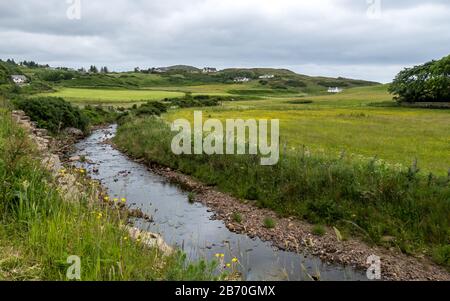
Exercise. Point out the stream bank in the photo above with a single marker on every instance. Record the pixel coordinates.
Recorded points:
(294, 235)
(194, 227)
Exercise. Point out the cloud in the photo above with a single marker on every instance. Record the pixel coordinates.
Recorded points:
(338, 38)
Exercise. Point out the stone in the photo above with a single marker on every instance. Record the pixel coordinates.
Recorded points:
(74, 132)
(75, 159)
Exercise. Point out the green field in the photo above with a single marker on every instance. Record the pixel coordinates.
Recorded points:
(351, 122)
(111, 97)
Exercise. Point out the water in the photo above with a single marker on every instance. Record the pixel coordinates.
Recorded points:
(189, 226)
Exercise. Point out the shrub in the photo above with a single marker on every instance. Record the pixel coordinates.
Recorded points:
(150, 108)
(99, 115)
(52, 113)
(441, 255)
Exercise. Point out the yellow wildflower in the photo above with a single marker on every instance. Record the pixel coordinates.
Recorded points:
(234, 260)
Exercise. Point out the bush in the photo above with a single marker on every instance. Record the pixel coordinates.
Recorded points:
(52, 113)
(429, 82)
(57, 75)
(98, 115)
(150, 108)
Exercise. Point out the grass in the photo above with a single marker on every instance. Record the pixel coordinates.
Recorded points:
(237, 217)
(363, 196)
(111, 96)
(39, 229)
(318, 230)
(269, 223)
(191, 197)
(346, 123)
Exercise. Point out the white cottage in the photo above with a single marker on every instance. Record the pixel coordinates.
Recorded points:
(267, 76)
(19, 79)
(209, 70)
(334, 90)
(241, 79)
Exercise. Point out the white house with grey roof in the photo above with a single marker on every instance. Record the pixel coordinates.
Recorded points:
(19, 79)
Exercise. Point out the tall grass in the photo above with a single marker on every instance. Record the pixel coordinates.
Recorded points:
(39, 230)
(365, 197)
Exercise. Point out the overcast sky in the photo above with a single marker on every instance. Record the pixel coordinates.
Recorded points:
(351, 38)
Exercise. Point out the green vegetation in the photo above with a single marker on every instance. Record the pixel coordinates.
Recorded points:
(100, 115)
(345, 190)
(269, 223)
(191, 197)
(39, 229)
(350, 123)
(99, 96)
(429, 82)
(356, 160)
(53, 114)
(237, 217)
(318, 230)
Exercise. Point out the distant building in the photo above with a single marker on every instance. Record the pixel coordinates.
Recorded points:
(209, 70)
(334, 90)
(267, 76)
(241, 79)
(19, 79)
(160, 70)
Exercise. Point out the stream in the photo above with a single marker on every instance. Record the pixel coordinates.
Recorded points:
(189, 226)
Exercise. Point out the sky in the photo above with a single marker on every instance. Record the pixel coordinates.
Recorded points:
(364, 39)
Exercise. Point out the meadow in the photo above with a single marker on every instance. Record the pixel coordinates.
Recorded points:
(111, 96)
(355, 160)
(360, 121)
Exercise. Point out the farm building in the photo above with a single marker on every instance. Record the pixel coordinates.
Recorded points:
(19, 79)
(267, 76)
(209, 70)
(334, 90)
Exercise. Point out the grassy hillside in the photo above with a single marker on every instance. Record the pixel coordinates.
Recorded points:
(285, 81)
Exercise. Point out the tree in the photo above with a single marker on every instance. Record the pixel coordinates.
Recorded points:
(429, 82)
(93, 69)
(104, 70)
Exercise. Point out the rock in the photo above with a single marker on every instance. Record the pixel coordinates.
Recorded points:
(150, 239)
(75, 159)
(388, 239)
(76, 133)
